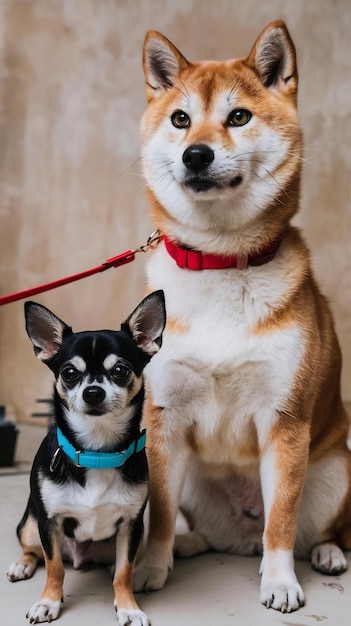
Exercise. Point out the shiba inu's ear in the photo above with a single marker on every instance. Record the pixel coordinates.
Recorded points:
(147, 323)
(162, 63)
(45, 330)
(274, 58)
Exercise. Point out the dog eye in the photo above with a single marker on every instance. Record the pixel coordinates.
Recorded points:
(239, 117)
(120, 373)
(180, 119)
(70, 375)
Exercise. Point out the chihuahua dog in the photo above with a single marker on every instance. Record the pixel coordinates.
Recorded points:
(247, 431)
(89, 481)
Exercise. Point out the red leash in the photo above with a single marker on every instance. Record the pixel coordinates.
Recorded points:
(116, 261)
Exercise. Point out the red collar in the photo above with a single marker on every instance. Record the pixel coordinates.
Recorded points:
(195, 260)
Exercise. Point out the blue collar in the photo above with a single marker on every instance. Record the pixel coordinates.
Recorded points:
(98, 460)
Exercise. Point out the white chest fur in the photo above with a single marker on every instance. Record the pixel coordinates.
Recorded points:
(98, 506)
(215, 371)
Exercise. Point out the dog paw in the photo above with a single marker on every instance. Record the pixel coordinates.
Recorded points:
(150, 573)
(44, 611)
(131, 617)
(328, 559)
(148, 578)
(282, 597)
(20, 571)
(189, 544)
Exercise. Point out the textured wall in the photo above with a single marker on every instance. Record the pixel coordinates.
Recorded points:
(71, 195)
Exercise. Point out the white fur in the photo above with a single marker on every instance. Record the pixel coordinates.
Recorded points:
(131, 617)
(79, 364)
(218, 373)
(45, 610)
(230, 208)
(328, 559)
(97, 506)
(217, 376)
(20, 571)
(97, 432)
(110, 361)
(279, 587)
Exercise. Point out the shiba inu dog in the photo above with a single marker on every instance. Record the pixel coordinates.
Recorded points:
(247, 430)
(89, 481)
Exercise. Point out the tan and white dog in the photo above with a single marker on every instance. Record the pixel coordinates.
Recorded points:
(246, 428)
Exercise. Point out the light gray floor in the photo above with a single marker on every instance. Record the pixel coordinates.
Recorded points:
(214, 589)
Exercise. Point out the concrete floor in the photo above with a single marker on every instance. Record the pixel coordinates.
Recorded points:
(214, 589)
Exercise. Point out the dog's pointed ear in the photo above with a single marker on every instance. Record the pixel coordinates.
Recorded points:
(147, 322)
(45, 330)
(273, 56)
(162, 63)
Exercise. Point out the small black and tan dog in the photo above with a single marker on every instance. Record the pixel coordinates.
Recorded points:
(89, 481)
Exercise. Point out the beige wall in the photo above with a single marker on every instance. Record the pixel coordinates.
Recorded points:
(71, 195)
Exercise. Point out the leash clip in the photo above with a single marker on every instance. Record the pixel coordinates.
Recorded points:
(152, 242)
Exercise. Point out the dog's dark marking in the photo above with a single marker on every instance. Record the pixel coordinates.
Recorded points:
(69, 526)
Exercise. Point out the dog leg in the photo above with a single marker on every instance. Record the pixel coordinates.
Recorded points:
(165, 488)
(283, 469)
(128, 541)
(49, 605)
(325, 502)
(32, 551)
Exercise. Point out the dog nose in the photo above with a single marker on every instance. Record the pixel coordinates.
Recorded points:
(93, 394)
(197, 157)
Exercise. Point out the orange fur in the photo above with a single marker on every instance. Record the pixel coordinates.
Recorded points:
(159, 498)
(122, 585)
(55, 574)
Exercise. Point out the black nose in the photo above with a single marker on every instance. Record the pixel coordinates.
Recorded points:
(197, 157)
(93, 395)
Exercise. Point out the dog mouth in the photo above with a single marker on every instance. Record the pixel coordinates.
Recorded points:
(96, 411)
(198, 184)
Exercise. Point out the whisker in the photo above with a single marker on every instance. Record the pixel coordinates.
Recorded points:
(166, 174)
(127, 170)
(294, 153)
(251, 171)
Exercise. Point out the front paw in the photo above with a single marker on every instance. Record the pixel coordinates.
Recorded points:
(44, 611)
(131, 617)
(282, 596)
(149, 577)
(150, 574)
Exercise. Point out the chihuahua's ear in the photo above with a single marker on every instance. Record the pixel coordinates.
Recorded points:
(45, 330)
(147, 323)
